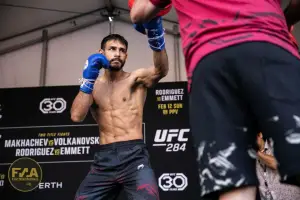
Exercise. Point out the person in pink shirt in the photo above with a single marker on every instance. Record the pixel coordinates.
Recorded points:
(243, 77)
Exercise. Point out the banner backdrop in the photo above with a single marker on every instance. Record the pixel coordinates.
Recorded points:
(45, 156)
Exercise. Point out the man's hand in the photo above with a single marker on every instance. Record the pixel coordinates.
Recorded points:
(91, 71)
(268, 160)
(84, 99)
(143, 11)
(155, 32)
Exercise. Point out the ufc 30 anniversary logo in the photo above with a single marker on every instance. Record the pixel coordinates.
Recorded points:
(173, 182)
(173, 139)
(53, 105)
(25, 174)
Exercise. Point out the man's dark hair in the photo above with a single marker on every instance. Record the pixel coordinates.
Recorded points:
(114, 37)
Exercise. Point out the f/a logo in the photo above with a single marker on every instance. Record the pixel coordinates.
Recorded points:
(53, 105)
(25, 174)
(173, 182)
(174, 139)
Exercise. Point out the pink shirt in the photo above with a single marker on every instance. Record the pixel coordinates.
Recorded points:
(210, 25)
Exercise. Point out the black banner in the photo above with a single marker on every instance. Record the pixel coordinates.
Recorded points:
(35, 123)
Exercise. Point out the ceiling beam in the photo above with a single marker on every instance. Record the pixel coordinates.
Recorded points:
(52, 36)
(49, 25)
(38, 8)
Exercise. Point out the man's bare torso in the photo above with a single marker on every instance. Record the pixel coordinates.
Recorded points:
(119, 111)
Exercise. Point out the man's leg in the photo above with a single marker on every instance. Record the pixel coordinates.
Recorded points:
(138, 178)
(223, 130)
(272, 88)
(99, 184)
(142, 185)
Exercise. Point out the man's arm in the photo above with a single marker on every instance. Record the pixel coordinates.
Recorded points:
(292, 12)
(269, 160)
(156, 40)
(84, 98)
(81, 106)
(144, 10)
(150, 76)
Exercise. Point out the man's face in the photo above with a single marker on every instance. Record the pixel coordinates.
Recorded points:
(116, 53)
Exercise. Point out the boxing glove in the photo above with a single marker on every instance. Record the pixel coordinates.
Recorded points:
(91, 71)
(155, 32)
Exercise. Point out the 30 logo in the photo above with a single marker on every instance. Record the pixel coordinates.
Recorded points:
(25, 174)
(173, 182)
(53, 105)
(174, 139)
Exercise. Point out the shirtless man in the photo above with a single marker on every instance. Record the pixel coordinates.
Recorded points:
(122, 161)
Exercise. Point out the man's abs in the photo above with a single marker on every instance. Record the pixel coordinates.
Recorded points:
(119, 125)
(119, 111)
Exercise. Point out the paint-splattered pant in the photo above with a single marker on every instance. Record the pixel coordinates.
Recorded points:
(237, 92)
(120, 166)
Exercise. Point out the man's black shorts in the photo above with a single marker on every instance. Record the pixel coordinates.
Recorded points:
(237, 92)
(120, 166)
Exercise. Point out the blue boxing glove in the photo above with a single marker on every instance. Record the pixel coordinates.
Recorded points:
(155, 32)
(91, 71)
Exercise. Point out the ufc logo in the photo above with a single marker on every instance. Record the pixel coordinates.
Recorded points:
(167, 135)
(53, 105)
